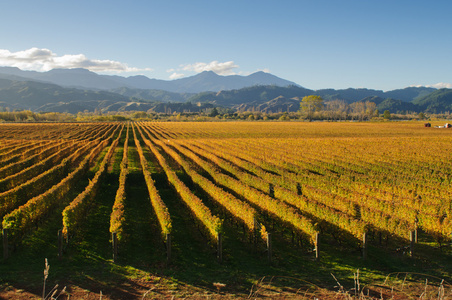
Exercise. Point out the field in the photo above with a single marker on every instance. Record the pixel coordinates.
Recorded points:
(225, 210)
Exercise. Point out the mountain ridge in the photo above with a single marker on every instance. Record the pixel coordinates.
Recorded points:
(204, 81)
(18, 92)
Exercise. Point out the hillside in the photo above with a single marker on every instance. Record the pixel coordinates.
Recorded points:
(21, 93)
(33, 95)
(396, 106)
(254, 94)
(438, 101)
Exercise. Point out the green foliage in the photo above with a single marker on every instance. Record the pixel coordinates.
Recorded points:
(255, 93)
(311, 104)
(387, 115)
(395, 106)
(213, 112)
(436, 102)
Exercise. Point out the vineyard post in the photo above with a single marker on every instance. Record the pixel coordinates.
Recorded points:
(219, 247)
(168, 247)
(60, 244)
(271, 190)
(5, 244)
(114, 239)
(269, 246)
(365, 245)
(412, 240)
(299, 192)
(416, 221)
(317, 242)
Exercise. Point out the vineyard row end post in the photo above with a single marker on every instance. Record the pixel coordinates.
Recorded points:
(365, 245)
(220, 248)
(269, 246)
(114, 240)
(5, 244)
(317, 244)
(168, 247)
(60, 243)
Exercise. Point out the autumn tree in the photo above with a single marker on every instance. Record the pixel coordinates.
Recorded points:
(336, 110)
(311, 104)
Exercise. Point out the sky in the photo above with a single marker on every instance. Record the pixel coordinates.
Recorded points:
(318, 44)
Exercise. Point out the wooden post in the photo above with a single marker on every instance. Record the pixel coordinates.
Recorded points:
(60, 244)
(299, 192)
(5, 244)
(269, 246)
(365, 245)
(168, 248)
(220, 248)
(416, 221)
(114, 240)
(317, 249)
(271, 190)
(412, 241)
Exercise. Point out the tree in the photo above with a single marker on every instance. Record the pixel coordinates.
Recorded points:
(213, 112)
(371, 107)
(311, 104)
(387, 114)
(336, 109)
(359, 109)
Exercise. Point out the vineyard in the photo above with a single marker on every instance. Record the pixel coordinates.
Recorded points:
(224, 201)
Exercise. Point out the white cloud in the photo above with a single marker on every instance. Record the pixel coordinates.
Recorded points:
(176, 75)
(441, 85)
(44, 60)
(221, 68)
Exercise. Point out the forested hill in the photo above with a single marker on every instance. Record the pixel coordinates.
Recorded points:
(39, 96)
(436, 102)
(257, 94)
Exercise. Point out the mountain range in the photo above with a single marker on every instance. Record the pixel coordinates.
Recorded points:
(74, 90)
(204, 81)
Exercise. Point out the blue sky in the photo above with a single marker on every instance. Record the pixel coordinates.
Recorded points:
(317, 44)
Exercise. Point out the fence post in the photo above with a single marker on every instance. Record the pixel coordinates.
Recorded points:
(114, 240)
(271, 190)
(60, 244)
(365, 245)
(416, 221)
(412, 241)
(299, 191)
(5, 244)
(168, 247)
(220, 248)
(269, 246)
(317, 242)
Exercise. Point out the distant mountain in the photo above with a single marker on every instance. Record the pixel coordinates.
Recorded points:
(33, 95)
(375, 99)
(278, 104)
(38, 95)
(254, 94)
(436, 102)
(409, 94)
(396, 106)
(78, 78)
(349, 95)
(205, 81)
(152, 95)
